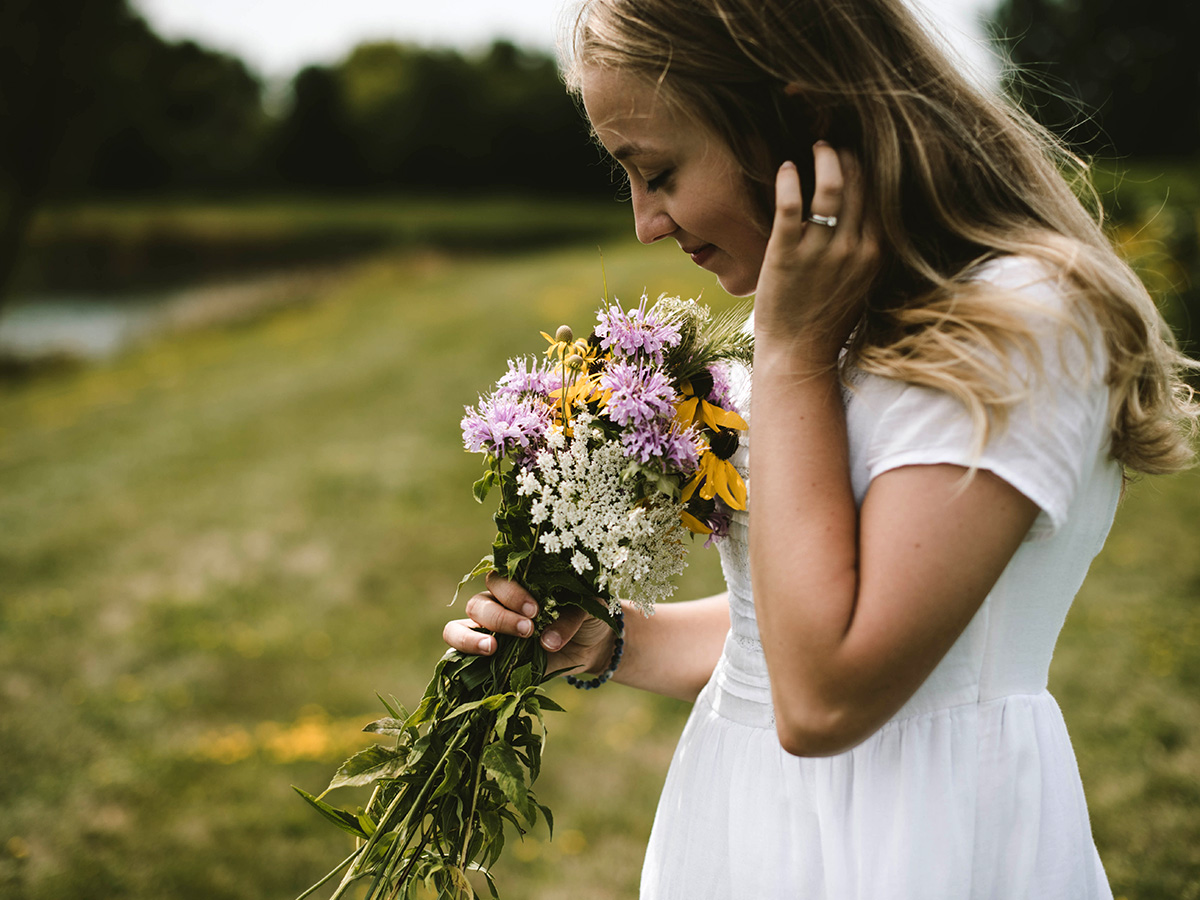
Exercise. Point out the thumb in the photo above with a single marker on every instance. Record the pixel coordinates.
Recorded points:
(560, 632)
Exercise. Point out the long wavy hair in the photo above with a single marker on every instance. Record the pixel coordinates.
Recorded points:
(956, 176)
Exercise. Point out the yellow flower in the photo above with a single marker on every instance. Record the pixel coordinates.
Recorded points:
(564, 344)
(559, 347)
(717, 477)
(694, 525)
(583, 388)
(692, 409)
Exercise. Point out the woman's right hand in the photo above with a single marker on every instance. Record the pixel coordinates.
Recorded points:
(575, 641)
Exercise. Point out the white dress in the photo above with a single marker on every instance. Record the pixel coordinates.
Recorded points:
(971, 791)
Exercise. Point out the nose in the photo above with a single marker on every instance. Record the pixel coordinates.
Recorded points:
(651, 221)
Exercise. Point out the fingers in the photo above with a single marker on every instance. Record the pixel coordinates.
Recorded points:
(830, 183)
(486, 610)
(463, 635)
(839, 195)
(789, 202)
(511, 595)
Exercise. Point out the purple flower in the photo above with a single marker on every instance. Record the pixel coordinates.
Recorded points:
(718, 520)
(524, 377)
(720, 393)
(630, 333)
(504, 422)
(662, 440)
(638, 394)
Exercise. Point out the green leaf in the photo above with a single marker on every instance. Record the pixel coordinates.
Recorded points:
(387, 726)
(423, 713)
(504, 715)
(368, 766)
(344, 820)
(521, 678)
(492, 703)
(544, 702)
(450, 778)
(367, 823)
(482, 567)
(501, 763)
(514, 561)
(549, 818)
(395, 709)
(477, 671)
(481, 487)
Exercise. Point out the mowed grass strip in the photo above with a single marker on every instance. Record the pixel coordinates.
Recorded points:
(214, 550)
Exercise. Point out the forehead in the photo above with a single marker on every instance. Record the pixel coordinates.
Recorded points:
(630, 114)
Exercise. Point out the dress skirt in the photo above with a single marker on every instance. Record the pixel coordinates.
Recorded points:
(949, 803)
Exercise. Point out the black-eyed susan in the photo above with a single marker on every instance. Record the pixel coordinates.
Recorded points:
(694, 525)
(716, 476)
(694, 408)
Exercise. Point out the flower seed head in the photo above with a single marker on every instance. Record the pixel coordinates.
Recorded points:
(564, 334)
(724, 443)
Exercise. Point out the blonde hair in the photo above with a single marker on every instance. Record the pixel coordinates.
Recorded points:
(956, 177)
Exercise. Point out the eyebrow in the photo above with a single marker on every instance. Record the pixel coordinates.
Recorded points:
(630, 151)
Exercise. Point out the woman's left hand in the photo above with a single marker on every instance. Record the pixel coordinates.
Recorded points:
(817, 272)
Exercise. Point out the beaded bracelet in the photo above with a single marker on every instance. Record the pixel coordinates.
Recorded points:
(586, 684)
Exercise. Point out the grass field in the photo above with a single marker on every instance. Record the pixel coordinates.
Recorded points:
(214, 550)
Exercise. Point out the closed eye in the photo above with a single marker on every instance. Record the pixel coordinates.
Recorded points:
(659, 181)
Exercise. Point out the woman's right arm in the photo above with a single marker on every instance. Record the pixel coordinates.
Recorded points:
(672, 652)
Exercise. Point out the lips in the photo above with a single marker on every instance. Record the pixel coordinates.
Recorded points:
(700, 255)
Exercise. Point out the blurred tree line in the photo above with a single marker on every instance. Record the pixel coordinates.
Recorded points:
(93, 102)
(1120, 82)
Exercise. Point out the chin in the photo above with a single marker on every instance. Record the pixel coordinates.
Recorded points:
(737, 286)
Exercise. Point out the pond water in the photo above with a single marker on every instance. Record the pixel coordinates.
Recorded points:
(98, 326)
(78, 325)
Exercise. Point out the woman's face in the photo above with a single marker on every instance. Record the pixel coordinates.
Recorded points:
(684, 181)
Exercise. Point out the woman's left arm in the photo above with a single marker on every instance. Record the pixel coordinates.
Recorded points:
(855, 607)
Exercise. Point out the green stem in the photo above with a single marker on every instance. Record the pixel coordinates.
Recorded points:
(466, 842)
(332, 872)
(383, 826)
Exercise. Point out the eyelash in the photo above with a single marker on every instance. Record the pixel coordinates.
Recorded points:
(658, 181)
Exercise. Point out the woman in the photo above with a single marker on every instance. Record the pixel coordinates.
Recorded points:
(952, 372)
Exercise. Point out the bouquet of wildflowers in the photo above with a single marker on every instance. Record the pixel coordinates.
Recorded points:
(605, 455)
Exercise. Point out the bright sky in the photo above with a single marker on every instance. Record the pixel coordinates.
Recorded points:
(277, 37)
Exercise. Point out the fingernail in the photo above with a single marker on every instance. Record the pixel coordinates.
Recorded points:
(788, 165)
(551, 641)
(822, 143)
(485, 645)
(524, 627)
(529, 609)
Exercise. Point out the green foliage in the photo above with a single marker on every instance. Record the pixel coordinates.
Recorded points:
(459, 770)
(1154, 218)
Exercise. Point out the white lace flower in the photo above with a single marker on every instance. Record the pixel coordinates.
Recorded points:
(527, 484)
(635, 547)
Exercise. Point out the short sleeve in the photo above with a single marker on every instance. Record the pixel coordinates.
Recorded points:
(1053, 434)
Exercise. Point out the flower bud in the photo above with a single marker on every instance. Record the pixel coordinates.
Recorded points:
(564, 334)
(574, 361)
